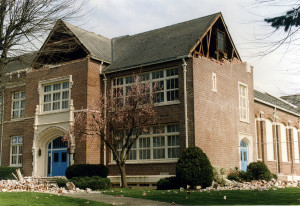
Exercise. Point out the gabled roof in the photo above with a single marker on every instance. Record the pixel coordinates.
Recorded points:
(98, 46)
(274, 101)
(164, 44)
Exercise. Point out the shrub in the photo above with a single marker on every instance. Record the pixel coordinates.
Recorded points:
(258, 171)
(193, 168)
(218, 176)
(167, 183)
(61, 182)
(94, 183)
(86, 170)
(6, 173)
(274, 176)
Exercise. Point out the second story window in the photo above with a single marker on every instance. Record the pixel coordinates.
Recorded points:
(243, 102)
(18, 104)
(56, 96)
(164, 84)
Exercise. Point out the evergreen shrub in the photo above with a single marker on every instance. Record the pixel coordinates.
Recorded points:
(86, 170)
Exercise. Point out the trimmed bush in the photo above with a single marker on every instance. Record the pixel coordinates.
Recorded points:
(86, 170)
(6, 173)
(94, 183)
(61, 182)
(193, 168)
(167, 183)
(258, 171)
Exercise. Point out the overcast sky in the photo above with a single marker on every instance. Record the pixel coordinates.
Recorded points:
(274, 73)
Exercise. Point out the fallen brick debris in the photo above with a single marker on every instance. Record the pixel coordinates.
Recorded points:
(259, 185)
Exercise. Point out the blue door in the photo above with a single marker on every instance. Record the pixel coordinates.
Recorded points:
(244, 155)
(58, 158)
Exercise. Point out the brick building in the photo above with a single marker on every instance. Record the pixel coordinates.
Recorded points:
(207, 100)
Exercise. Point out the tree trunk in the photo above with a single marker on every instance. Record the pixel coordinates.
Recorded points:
(123, 175)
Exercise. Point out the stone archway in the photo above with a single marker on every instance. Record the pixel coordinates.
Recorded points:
(40, 150)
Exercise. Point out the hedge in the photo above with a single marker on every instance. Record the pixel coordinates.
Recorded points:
(86, 170)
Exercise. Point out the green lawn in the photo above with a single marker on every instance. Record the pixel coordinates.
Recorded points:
(32, 198)
(287, 196)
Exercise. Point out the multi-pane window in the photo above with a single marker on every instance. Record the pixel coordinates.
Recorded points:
(16, 151)
(18, 104)
(164, 85)
(243, 102)
(56, 96)
(159, 142)
(221, 40)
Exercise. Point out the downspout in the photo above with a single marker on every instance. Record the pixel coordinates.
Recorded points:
(185, 103)
(105, 88)
(2, 126)
(276, 143)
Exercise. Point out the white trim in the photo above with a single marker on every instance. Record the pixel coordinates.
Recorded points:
(214, 82)
(246, 99)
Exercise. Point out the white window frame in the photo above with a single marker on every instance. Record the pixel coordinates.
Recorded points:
(51, 82)
(20, 99)
(16, 141)
(151, 135)
(151, 81)
(246, 98)
(214, 82)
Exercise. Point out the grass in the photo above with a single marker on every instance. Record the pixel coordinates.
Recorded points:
(32, 198)
(287, 196)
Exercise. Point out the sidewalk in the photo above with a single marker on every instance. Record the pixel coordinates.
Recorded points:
(110, 199)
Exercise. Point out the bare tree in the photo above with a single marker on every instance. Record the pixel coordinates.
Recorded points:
(124, 116)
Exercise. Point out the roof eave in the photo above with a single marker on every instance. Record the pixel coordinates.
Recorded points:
(273, 105)
(147, 64)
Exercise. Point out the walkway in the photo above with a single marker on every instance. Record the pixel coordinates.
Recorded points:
(110, 199)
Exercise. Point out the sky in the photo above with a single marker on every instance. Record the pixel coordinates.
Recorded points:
(277, 73)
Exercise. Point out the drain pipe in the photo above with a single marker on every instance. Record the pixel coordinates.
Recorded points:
(185, 103)
(2, 126)
(105, 88)
(276, 142)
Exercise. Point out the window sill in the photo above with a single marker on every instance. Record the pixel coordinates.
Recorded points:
(166, 103)
(245, 121)
(17, 119)
(147, 161)
(15, 165)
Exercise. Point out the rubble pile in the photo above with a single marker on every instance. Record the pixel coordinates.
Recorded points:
(253, 185)
(35, 185)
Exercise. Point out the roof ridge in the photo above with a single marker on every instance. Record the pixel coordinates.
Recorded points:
(124, 36)
(84, 30)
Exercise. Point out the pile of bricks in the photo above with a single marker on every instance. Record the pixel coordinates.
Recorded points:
(34, 185)
(253, 185)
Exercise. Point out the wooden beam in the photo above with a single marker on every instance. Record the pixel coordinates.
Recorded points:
(208, 37)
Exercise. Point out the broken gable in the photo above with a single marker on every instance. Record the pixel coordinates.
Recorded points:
(60, 46)
(216, 42)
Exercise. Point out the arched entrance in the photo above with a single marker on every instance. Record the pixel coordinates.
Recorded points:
(244, 155)
(57, 158)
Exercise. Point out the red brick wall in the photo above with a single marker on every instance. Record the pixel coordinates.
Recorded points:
(216, 114)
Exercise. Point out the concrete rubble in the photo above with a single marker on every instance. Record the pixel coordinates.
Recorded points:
(36, 185)
(260, 185)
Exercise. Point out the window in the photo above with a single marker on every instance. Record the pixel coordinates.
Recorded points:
(18, 104)
(163, 82)
(221, 40)
(56, 96)
(159, 143)
(214, 82)
(243, 102)
(16, 151)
